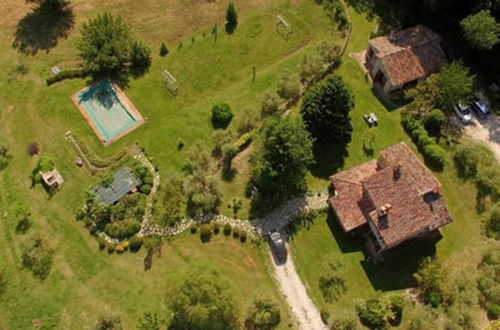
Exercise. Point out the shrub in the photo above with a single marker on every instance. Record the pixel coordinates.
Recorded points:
(194, 228)
(488, 182)
(216, 228)
(434, 155)
(434, 121)
(247, 121)
(343, 324)
(148, 179)
(288, 87)
(374, 313)
(24, 221)
(493, 222)
(243, 237)
(163, 50)
(227, 229)
(135, 243)
(269, 105)
(263, 314)
(221, 115)
(493, 311)
(3, 282)
(236, 233)
(111, 247)
(469, 156)
(243, 141)
(325, 315)
(33, 149)
(206, 230)
(229, 151)
(101, 242)
(331, 284)
(67, 74)
(119, 248)
(145, 189)
(429, 277)
(397, 305)
(122, 229)
(231, 18)
(38, 258)
(109, 322)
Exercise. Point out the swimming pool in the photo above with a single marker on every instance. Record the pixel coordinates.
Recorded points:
(107, 110)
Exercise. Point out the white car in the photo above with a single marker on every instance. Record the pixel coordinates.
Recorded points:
(463, 112)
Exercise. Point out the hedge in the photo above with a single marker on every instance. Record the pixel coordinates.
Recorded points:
(68, 74)
(433, 154)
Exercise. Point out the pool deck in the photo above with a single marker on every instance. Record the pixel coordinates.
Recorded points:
(123, 97)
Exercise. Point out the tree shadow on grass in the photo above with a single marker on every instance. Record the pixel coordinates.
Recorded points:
(328, 159)
(396, 272)
(41, 28)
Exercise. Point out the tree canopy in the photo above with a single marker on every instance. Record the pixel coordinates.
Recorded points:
(203, 301)
(325, 110)
(280, 162)
(455, 84)
(107, 48)
(481, 30)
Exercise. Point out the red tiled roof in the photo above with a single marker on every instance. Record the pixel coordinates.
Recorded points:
(349, 205)
(401, 182)
(410, 54)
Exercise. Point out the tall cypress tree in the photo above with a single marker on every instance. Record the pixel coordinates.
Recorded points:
(231, 18)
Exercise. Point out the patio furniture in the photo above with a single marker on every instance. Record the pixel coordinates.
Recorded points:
(371, 119)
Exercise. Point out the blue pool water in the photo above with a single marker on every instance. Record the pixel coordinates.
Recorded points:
(106, 110)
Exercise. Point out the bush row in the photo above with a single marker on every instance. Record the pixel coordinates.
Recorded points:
(433, 154)
(68, 74)
(208, 229)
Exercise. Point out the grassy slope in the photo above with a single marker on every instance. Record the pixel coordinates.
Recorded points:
(84, 281)
(462, 240)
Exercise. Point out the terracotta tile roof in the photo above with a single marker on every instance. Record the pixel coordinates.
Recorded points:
(410, 54)
(401, 183)
(349, 205)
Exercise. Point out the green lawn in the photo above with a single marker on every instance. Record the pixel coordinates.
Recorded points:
(460, 246)
(85, 282)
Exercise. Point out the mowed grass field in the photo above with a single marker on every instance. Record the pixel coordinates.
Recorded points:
(84, 282)
(462, 244)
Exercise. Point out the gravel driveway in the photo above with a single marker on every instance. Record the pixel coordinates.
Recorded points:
(486, 130)
(296, 296)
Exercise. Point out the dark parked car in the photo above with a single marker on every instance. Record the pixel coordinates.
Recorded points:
(278, 244)
(481, 108)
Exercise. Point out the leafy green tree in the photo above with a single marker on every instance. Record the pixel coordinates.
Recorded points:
(24, 221)
(54, 3)
(231, 18)
(310, 68)
(264, 314)
(343, 324)
(493, 222)
(150, 321)
(203, 301)
(455, 83)
(481, 30)
(280, 162)
(107, 48)
(325, 110)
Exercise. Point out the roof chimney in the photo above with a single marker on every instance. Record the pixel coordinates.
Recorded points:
(396, 170)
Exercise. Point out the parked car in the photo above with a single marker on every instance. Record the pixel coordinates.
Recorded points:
(463, 112)
(278, 244)
(481, 108)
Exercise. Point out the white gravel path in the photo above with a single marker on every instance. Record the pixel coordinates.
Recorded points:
(306, 313)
